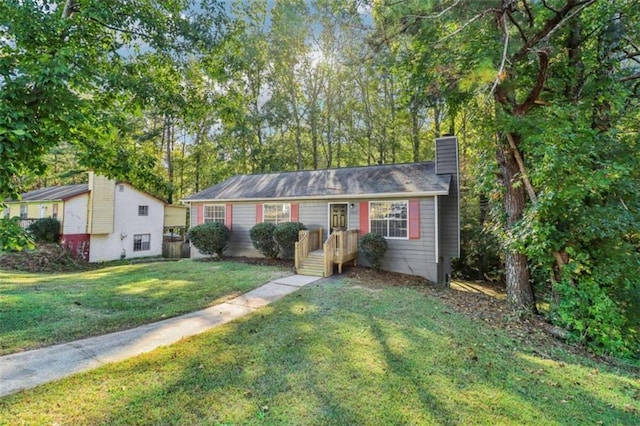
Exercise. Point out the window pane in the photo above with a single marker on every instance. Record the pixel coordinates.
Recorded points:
(214, 213)
(141, 242)
(388, 218)
(276, 213)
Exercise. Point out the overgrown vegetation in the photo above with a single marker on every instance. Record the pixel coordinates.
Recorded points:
(45, 309)
(44, 258)
(210, 238)
(373, 246)
(13, 238)
(263, 239)
(286, 235)
(344, 352)
(45, 230)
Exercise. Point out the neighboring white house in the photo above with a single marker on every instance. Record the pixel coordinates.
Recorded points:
(103, 220)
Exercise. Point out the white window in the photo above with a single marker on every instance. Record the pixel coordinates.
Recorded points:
(276, 213)
(214, 213)
(389, 218)
(143, 210)
(23, 211)
(141, 242)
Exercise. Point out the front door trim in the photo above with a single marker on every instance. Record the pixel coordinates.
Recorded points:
(330, 205)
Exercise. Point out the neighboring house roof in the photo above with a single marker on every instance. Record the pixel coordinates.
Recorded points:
(389, 180)
(53, 193)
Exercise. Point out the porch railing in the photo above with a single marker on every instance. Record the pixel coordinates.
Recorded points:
(340, 247)
(308, 241)
(25, 223)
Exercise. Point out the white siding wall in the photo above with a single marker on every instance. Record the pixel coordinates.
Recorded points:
(127, 223)
(75, 215)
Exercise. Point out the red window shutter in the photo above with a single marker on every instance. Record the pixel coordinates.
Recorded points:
(414, 219)
(200, 218)
(228, 215)
(364, 217)
(258, 213)
(295, 212)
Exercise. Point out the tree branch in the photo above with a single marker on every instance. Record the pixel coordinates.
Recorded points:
(530, 101)
(514, 22)
(70, 7)
(528, 10)
(504, 55)
(469, 22)
(570, 9)
(630, 77)
(523, 171)
(120, 30)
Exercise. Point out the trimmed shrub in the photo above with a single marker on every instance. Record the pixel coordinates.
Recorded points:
(262, 238)
(45, 230)
(286, 236)
(210, 238)
(373, 246)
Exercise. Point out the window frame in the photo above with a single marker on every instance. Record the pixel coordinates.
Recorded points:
(140, 238)
(389, 220)
(143, 210)
(277, 219)
(24, 211)
(216, 216)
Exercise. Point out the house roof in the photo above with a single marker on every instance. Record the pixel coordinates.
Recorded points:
(382, 181)
(52, 193)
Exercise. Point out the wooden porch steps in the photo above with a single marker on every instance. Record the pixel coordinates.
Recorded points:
(313, 265)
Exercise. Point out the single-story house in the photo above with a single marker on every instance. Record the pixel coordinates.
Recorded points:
(103, 219)
(414, 206)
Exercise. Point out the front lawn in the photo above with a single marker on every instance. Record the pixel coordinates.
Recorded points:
(44, 309)
(343, 352)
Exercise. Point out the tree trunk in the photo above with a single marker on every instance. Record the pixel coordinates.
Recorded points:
(519, 289)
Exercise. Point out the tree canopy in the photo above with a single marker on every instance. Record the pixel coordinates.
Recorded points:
(177, 95)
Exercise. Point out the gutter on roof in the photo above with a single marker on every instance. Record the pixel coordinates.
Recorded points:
(324, 197)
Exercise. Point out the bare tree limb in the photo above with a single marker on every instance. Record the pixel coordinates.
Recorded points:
(504, 55)
(469, 22)
(523, 170)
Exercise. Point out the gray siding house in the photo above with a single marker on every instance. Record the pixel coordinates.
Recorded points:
(414, 206)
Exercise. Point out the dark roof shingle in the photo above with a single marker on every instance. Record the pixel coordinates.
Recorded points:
(382, 180)
(55, 192)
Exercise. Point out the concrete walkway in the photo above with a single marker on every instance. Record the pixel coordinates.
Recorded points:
(25, 370)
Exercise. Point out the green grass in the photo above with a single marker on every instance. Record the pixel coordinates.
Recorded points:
(338, 353)
(44, 309)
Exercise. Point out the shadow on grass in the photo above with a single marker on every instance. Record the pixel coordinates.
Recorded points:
(332, 354)
(38, 310)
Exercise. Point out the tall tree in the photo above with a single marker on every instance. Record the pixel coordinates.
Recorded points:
(64, 65)
(560, 144)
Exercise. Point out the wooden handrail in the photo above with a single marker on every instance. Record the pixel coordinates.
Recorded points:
(340, 247)
(308, 241)
(329, 248)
